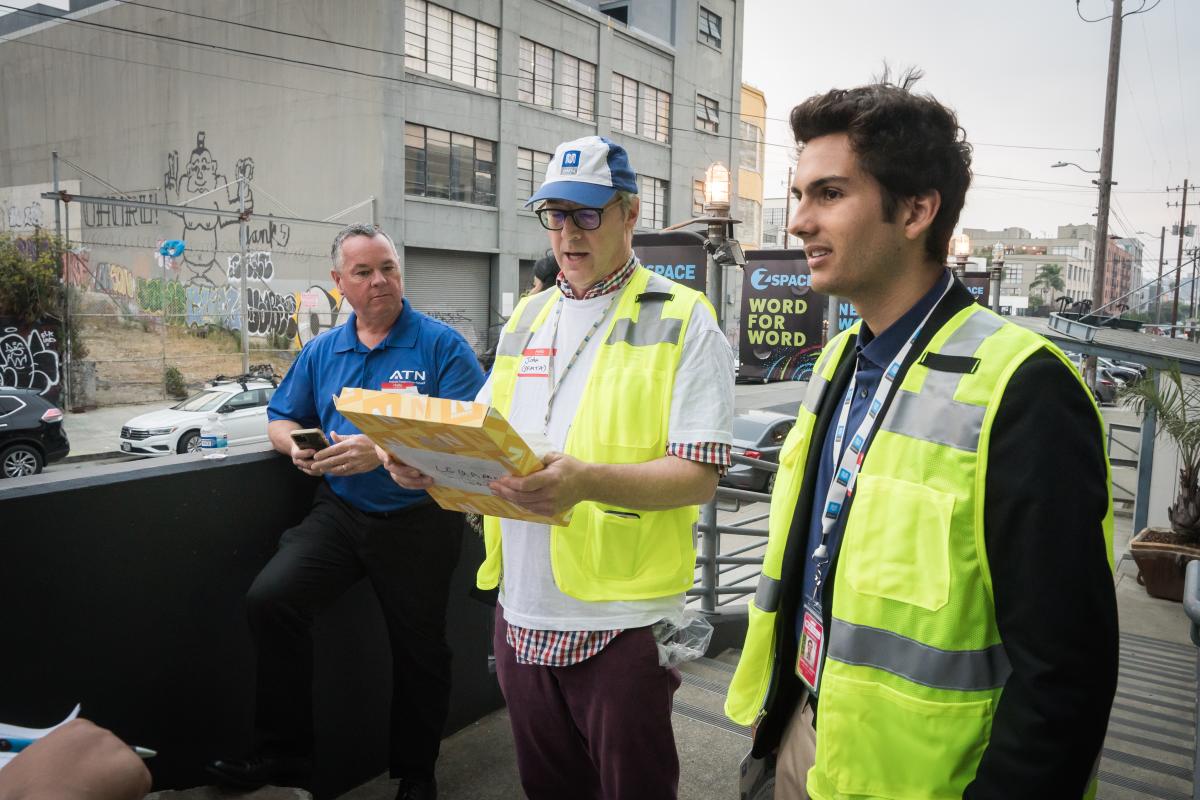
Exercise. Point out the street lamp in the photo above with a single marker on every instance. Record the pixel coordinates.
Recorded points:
(723, 250)
(997, 272)
(960, 248)
(716, 189)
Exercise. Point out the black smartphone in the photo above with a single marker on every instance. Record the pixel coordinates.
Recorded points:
(310, 439)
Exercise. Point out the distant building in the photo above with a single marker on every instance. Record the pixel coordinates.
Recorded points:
(774, 233)
(1072, 251)
(751, 165)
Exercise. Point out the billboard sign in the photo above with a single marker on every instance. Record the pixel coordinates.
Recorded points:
(780, 334)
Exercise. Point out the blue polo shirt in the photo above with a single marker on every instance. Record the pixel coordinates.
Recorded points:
(418, 351)
(874, 354)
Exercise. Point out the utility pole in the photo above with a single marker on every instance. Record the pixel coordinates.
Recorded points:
(1106, 163)
(1179, 259)
(787, 211)
(1162, 240)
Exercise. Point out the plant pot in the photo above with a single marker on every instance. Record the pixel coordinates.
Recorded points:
(1161, 564)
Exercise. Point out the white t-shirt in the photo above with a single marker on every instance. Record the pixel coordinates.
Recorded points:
(701, 411)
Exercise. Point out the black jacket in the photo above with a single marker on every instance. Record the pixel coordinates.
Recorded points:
(1055, 606)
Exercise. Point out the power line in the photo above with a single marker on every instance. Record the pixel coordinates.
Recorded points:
(465, 90)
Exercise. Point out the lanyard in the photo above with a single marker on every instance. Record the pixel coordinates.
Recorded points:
(554, 387)
(846, 468)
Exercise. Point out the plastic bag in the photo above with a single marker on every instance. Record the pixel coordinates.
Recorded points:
(682, 638)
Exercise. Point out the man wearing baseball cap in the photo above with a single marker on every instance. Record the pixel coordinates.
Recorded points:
(629, 377)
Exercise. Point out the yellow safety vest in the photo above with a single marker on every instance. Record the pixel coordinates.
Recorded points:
(914, 662)
(611, 552)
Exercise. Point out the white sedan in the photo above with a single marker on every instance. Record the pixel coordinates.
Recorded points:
(240, 405)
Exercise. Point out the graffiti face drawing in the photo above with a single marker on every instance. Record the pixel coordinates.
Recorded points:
(201, 178)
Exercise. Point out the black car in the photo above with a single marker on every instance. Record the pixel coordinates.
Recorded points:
(31, 433)
(758, 435)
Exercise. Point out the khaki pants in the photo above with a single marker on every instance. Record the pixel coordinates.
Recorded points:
(797, 752)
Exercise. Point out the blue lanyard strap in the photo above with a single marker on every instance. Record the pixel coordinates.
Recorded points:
(847, 467)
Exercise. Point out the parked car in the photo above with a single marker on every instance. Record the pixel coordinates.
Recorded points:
(1107, 385)
(241, 404)
(31, 433)
(757, 434)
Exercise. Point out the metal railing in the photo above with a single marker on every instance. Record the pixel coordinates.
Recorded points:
(712, 564)
(1122, 493)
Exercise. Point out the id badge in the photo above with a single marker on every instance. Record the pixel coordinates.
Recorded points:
(811, 648)
(535, 362)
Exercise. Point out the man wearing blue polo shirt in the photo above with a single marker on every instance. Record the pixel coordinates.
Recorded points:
(361, 523)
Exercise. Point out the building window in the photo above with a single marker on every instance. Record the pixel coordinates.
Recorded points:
(618, 11)
(751, 147)
(452, 166)
(698, 198)
(708, 114)
(531, 167)
(653, 193)
(641, 109)
(710, 28)
(751, 220)
(1013, 274)
(546, 77)
(445, 44)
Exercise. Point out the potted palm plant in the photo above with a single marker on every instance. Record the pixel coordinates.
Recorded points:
(1162, 554)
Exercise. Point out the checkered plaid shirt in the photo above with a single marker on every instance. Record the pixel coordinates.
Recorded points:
(564, 648)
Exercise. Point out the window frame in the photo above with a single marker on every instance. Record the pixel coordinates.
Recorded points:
(708, 112)
(468, 168)
(469, 47)
(704, 27)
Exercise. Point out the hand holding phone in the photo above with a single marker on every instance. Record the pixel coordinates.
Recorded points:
(310, 439)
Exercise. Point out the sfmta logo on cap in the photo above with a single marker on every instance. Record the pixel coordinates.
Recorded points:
(570, 162)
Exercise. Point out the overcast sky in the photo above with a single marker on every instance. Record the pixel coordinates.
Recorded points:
(1022, 74)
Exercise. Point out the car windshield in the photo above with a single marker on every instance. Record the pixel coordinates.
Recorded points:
(203, 401)
(748, 429)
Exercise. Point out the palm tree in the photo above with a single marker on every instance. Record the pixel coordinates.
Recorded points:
(1049, 276)
(1177, 413)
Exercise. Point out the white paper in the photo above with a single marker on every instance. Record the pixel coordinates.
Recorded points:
(456, 472)
(17, 732)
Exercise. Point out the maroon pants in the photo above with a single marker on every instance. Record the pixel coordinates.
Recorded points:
(596, 730)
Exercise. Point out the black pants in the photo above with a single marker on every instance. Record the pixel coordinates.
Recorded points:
(408, 557)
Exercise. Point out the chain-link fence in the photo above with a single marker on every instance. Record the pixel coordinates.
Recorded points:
(151, 319)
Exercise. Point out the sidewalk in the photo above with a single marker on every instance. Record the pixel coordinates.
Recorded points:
(94, 434)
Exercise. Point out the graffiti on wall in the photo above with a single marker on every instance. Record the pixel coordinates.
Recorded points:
(201, 180)
(23, 209)
(102, 215)
(115, 280)
(30, 360)
(258, 266)
(298, 316)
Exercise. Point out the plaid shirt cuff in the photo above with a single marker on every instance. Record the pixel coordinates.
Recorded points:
(704, 453)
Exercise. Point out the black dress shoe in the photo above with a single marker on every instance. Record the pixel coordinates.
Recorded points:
(410, 789)
(255, 771)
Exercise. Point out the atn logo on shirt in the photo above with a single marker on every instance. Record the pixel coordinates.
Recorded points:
(570, 162)
(404, 381)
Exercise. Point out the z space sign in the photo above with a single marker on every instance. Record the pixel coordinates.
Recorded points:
(780, 333)
(678, 255)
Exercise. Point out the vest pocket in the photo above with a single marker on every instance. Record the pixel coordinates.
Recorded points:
(631, 413)
(621, 544)
(877, 742)
(897, 542)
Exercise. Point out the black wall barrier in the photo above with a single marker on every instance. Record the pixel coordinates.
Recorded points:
(124, 591)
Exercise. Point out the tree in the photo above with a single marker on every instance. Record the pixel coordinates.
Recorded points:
(1049, 277)
(30, 287)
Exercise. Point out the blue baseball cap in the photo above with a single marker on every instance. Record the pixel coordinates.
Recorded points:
(588, 171)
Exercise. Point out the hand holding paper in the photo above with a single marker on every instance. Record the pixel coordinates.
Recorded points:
(553, 490)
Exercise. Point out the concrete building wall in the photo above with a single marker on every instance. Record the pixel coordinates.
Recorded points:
(750, 181)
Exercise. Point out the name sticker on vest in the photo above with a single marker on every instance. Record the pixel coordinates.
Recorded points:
(535, 362)
(399, 387)
(810, 650)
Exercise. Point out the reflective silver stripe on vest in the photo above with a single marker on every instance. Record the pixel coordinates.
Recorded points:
(650, 328)
(816, 390)
(513, 342)
(766, 597)
(961, 670)
(934, 415)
